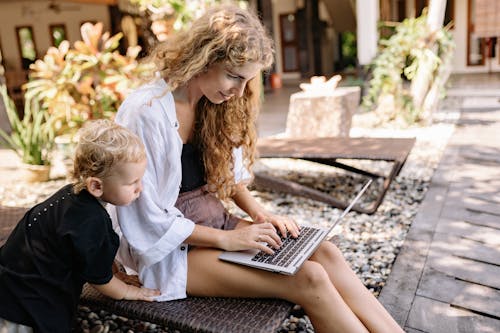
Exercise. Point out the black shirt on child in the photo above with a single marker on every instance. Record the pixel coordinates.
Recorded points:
(57, 246)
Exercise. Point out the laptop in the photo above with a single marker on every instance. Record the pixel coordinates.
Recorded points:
(294, 251)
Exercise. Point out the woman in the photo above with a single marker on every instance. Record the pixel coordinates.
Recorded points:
(198, 126)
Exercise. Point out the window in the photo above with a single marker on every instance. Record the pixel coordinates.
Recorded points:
(26, 45)
(289, 43)
(448, 14)
(348, 50)
(475, 44)
(419, 6)
(394, 11)
(57, 34)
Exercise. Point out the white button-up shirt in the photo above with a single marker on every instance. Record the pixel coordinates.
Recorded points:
(153, 230)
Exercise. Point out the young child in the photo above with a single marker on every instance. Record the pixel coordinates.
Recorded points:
(68, 239)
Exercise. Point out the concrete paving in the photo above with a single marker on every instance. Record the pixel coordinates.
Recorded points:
(446, 278)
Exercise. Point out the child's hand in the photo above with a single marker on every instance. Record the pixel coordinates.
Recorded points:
(134, 293)
(119, 290)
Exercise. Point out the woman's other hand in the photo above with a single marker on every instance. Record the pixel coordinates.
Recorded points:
(262, 236)
(245, 200)
(283, 223)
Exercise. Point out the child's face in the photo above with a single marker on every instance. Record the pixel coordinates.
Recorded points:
(124, 184)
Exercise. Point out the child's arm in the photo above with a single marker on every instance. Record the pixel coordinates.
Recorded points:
(117, 289)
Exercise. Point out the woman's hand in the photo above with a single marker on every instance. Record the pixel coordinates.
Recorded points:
(133, 293)
(244, 199)
(283, 223)
(262, 236)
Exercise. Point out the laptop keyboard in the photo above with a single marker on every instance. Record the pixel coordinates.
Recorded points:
(287, 252)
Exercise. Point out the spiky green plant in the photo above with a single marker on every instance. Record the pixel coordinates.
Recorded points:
(32, 136)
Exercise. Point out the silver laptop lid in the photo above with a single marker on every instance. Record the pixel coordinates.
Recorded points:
(353, 202)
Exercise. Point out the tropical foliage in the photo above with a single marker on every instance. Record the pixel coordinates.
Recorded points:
(32, 136)
(85, 82)
(411, 47)
(182, 11)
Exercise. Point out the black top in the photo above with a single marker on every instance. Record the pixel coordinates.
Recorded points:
(193, 170)
(57, 246)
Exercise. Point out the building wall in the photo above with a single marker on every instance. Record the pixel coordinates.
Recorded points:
(460, 36)
(39, 16)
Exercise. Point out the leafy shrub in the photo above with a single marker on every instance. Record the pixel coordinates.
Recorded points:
(87, 82)
(411, 46)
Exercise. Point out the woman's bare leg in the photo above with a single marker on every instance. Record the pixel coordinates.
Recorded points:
(310, 287)
(359, 299)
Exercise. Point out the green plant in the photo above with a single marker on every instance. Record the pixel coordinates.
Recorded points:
(348, 50)
(31, 137)
(182, 12)
(86, 82)
(411, 46)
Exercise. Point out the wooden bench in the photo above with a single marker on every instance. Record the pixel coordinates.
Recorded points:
(327, 150)
(193, 314)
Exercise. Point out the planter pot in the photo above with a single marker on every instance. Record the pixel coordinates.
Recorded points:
(35, 173)
(276, 81)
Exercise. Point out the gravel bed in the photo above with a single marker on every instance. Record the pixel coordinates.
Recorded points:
(370, 243)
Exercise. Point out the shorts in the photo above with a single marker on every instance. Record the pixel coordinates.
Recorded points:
(204, 208)
(10, 327)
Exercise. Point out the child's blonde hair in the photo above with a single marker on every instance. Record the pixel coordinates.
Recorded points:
(101, 145)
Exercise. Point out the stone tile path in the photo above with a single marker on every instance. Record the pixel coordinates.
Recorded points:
(447, 276)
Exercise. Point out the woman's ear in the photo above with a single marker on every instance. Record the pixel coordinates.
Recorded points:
(94, 186)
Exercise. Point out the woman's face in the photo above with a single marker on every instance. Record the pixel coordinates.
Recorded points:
(221, 82)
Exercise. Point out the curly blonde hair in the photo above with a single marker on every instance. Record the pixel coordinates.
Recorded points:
(233, 36)
(101, 145)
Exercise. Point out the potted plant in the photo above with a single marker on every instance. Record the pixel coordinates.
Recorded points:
(31, 137)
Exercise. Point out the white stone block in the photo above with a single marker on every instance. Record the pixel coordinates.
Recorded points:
(322, 113)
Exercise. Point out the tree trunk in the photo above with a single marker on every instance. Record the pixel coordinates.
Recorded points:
(422, 83)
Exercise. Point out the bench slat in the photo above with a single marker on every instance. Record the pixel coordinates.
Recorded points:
(326, 150)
